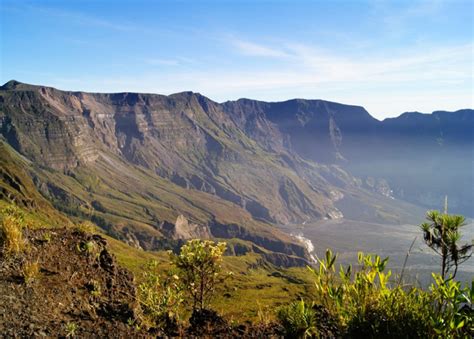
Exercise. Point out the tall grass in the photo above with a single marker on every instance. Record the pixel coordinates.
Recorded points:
(11, 230)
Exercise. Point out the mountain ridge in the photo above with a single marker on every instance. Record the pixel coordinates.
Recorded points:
(12, 83)
(141, 161)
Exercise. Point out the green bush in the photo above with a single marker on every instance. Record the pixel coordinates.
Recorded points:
(160, 297)
(453, 315)
(366, 306)
(298, 319)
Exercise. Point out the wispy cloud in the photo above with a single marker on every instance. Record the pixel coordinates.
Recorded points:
(396, 19)
(254, 49)
(318, 65)
(423, 78)
(162, 62)
(83, 18)
(176, 61)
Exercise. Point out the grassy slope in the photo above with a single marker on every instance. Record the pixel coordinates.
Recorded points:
(252, 278)
(130, 196)
(16, 185)
(253, 288)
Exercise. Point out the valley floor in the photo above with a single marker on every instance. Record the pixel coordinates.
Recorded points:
(348, 237)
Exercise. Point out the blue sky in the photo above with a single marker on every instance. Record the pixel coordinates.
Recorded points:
(388, 56)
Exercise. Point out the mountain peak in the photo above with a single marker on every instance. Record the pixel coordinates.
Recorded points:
(12, 84)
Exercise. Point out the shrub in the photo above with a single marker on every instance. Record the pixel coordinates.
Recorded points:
(46, 237)
(11, 230)
(199, 269)
(88, 247)
(366, 306)
(160, 297)
(94, 288)
(453, 305)
(30, 271)
(399, 314)
(298, 319)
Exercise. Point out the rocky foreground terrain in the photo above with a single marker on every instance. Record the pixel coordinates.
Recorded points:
(79, 290)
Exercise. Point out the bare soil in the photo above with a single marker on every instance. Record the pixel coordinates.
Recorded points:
(78, 291)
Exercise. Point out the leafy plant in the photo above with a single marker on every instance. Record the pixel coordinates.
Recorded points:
(454, 316)
(366, 306)
(161, 297)
(94, 288)
(298, 319)
(47, 237)
(199, 269)
(11, 230)
(363, 302)
(442, 234)
(87, 247)
(71, 329)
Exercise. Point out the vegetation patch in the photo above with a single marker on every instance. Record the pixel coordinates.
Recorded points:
(11, 230)
(30, 271)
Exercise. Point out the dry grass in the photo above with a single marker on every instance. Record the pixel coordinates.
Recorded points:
(11, 231)
(30, 271)
(86, 227)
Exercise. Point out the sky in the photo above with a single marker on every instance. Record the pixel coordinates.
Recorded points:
(388, 56)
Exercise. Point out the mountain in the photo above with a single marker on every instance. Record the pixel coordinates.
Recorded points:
(154, 170)
(416, 157)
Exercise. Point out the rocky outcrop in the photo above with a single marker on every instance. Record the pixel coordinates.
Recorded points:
(230, 231)
(185, 230)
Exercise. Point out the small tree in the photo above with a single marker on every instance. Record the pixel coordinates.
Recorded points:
(199, 267)
(442, 234)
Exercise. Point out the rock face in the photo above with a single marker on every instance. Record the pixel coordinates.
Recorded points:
(186, 138)
(185, 230)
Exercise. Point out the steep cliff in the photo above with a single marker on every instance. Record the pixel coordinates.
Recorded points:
(185, 138)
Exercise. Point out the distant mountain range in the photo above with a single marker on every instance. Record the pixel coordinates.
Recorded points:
(153, 170)
(417, 157)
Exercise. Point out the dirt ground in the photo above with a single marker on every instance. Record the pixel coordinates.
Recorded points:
(78, 291)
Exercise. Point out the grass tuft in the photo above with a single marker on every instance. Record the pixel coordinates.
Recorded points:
(71, 329)
(30, 271)
(86, 227)
(11, 230)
